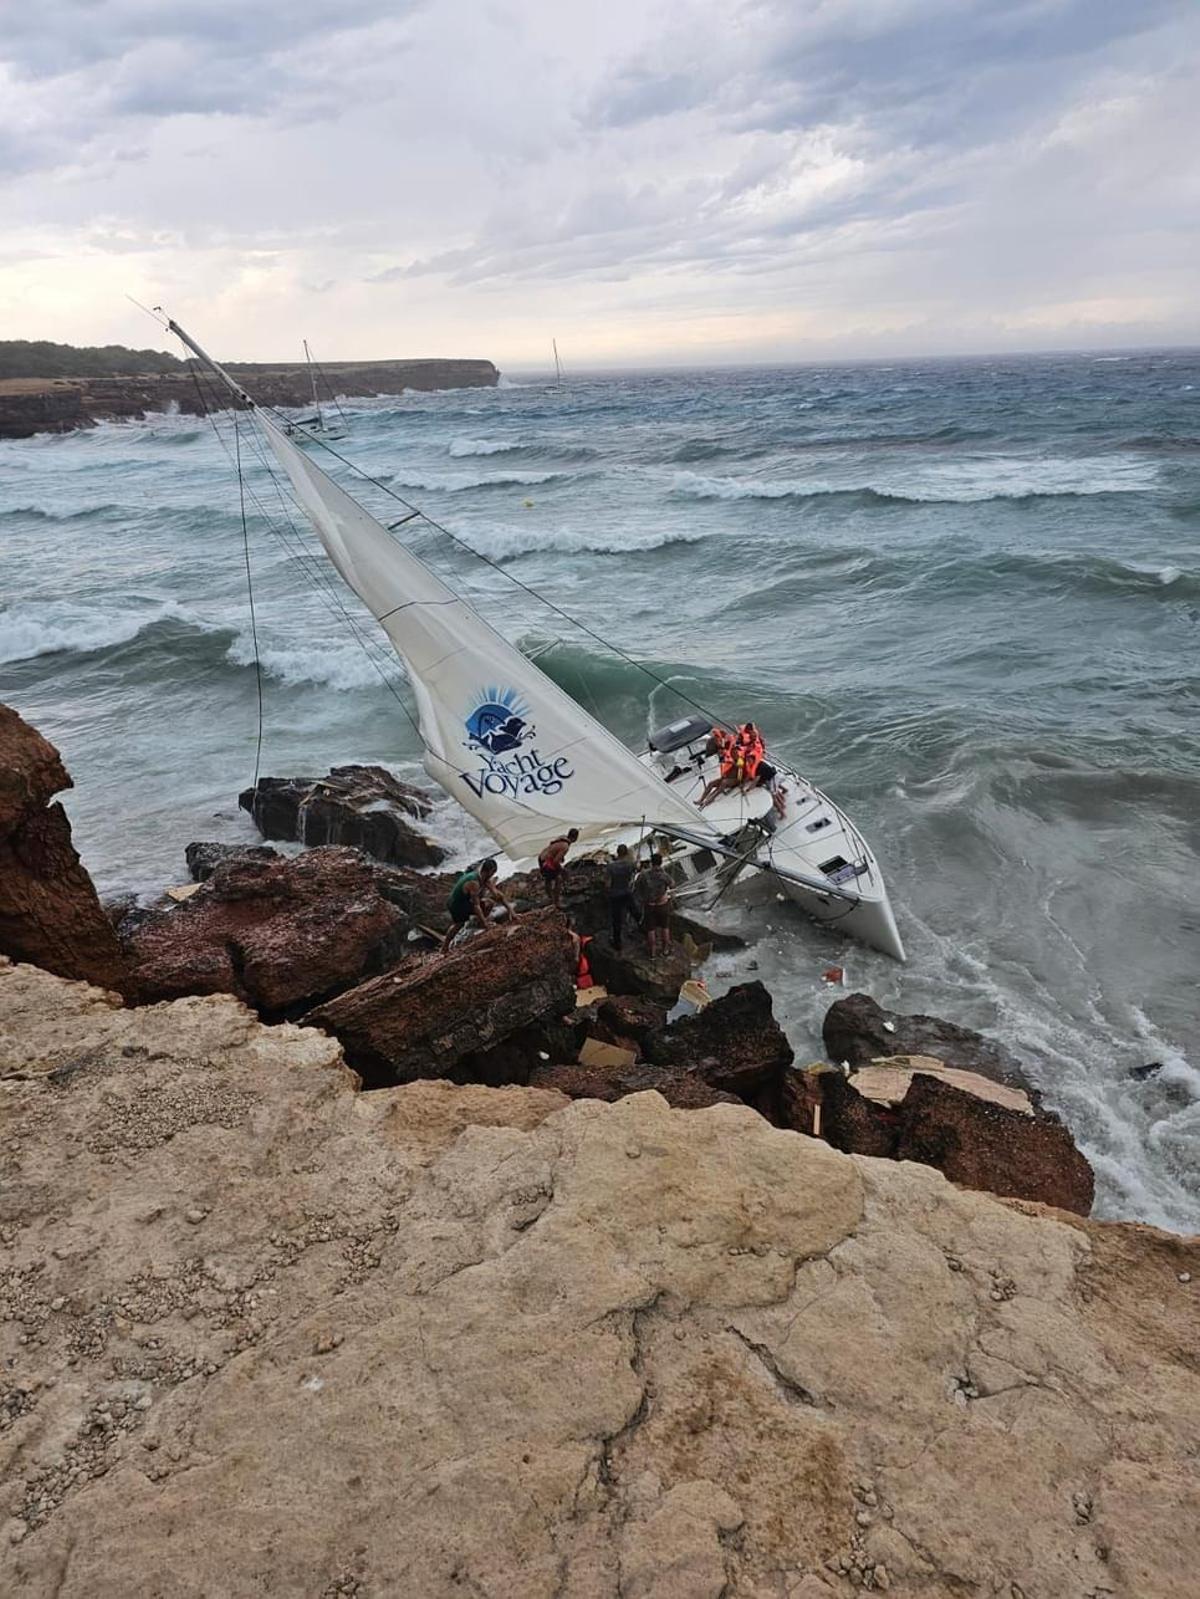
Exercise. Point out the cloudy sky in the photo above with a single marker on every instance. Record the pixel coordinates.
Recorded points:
(649, 180)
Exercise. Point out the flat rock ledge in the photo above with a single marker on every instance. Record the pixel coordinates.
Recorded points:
(262, 1333)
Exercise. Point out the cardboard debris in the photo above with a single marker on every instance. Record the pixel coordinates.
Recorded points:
(185, 891)
(887, 1078)
(589, 996)
(609, 1057)
(695, 993)
(697, 954)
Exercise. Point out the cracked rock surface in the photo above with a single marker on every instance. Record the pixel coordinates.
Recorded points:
(262, 1333)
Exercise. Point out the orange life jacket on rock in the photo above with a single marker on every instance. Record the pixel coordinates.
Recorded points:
(583, 971)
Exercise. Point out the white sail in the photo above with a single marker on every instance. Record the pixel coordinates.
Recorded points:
(515, 750)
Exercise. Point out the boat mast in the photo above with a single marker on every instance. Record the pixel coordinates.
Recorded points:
(557, 365)
(312, 373)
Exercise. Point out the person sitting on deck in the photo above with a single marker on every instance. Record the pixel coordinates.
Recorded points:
(475, 894)
(748, 752)
(552, 863)
(740, 760)
(721, 745)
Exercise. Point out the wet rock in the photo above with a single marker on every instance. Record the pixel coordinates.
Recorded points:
(50, 914)
(858, 1030)
(634, 972)
(281, 934)
(363, 807)
(423, 896)
(203, 859)
(972, 1139)
(735, 1045)
(628, 1017)
(437, 1018)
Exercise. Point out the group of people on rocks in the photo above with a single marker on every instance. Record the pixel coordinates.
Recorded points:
(639, 893)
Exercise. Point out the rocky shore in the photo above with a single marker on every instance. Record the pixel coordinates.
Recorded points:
(425, 1274)
(61, 405)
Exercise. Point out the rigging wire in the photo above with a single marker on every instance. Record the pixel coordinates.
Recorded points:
(502, 571)
(237, 442)
(416, 512)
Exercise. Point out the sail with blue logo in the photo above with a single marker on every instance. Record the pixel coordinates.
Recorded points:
(500, 737)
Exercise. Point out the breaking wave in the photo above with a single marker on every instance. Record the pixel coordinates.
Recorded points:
(460, 482)
(63, 626)
(946, 483)
(502, 541)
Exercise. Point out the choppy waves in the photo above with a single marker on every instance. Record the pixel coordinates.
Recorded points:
(63, 626)
(945, 483)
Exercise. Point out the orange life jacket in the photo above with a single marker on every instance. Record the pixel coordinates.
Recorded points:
(748, 752)
(724, 742)
(583, 971)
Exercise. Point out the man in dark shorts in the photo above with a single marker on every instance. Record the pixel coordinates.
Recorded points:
(654, 891)
(474, 895)
(621, 902)
(552, 862)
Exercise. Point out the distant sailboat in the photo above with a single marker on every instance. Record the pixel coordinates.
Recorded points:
(557, 366)
(527, 761)
(315, 423)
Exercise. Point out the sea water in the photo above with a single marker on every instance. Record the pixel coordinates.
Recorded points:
(962, 596)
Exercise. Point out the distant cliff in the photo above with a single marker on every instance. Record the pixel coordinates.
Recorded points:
(36, 404)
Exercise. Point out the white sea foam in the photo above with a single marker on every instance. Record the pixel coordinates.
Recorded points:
(461, 447)
(457, 482)
(34, 629)
(946, 482)
(503, 541)
(342, 666)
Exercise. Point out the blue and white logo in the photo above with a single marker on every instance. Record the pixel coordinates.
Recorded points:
(499, 723)
(497, 729)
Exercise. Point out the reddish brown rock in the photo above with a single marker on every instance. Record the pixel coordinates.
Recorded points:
(735, 1045)
(857, 1030)
(627, 1019)
(204, 858)
(362, 807)
(437, 1019)
(280, 934)
(980, 1144)
(973, 1140)
(50, 914)
(682, 1090)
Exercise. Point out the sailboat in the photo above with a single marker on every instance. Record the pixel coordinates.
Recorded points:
(528, 762)
(315, 423)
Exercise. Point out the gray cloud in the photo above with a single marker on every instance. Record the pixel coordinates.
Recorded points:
(887, 164)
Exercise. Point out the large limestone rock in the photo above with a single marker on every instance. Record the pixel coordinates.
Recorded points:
(362, 807)
(444, 1015)
(281, 934)
(265, 1334)
(49, 910)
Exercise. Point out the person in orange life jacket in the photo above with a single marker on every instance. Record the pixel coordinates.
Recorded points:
(583, 970)
(552, 863)
(721, 745)
(474, 895)
(748, 752)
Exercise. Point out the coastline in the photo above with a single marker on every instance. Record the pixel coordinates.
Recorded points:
(29, 406)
